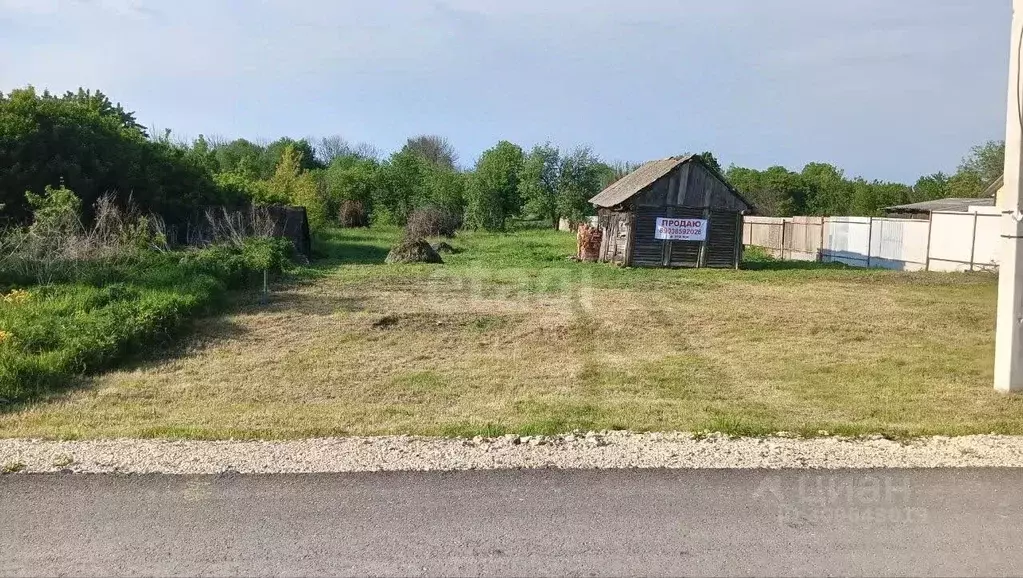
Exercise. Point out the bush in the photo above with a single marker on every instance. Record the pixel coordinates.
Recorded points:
(353, 214)
(233, 265)
(108, 308)
(57, 243)
(430, 222)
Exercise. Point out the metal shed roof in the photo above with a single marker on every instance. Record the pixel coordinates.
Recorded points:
(950, 204)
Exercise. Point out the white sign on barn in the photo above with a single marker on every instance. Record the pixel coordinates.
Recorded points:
(681, 229)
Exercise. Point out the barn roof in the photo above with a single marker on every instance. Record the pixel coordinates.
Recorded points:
(950, 204)
(647, 174)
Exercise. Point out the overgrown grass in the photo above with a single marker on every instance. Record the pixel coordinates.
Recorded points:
(511, 336)
(99, 311)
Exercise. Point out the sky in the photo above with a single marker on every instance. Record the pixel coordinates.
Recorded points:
(886, 89)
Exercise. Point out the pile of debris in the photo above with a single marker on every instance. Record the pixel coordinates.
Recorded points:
(588, 240)
(411, 250)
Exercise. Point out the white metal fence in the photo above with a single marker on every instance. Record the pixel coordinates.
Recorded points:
(946, 242)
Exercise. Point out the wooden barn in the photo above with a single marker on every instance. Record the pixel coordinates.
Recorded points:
(674, 212)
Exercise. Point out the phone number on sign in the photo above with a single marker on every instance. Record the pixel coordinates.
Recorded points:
(681, 231)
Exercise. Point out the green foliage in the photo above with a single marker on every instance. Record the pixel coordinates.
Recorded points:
(539, 182)
(929, 187)
(258, 162)
(870, 198)
(94, 147)
(350, 178)
(986, 162)
(711, 161)
(830, 193)
(446, 190)
(436, 150)
(578, 182)
(775, 191)
(291, 184)
(113, 308)
(823, 189)
(239, 186)
(56, 212)
(492, 191)
(401, 188)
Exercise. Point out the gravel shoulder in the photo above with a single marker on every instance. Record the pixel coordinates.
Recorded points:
(605, 450)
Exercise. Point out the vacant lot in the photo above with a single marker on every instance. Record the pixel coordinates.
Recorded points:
(509, 336)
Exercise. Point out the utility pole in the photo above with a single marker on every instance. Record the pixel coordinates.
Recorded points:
(1009, 329)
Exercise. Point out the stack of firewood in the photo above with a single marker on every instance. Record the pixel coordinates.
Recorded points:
(588, 242)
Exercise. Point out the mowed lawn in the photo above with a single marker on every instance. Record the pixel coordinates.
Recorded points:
(511, 337)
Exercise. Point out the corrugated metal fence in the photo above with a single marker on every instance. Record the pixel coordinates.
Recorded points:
(946, 242)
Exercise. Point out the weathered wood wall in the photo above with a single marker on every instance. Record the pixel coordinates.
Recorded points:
(690, 191)
(617, 228)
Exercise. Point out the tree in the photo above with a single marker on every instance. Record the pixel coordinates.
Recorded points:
(986, 161)
(306, 154)
(94, 147)
(201, 155)
(332, 147)
(402, 187)
(100, 104)
(244, 158)
(829, 192)
(492, 190)
(613, 172)
(711, 161)
(446, 190)
(930, 187)
(539, 182)
(579, 181)
(292, 184)
(871, 197)
(776, 192)
(350, 178)
(435, 149)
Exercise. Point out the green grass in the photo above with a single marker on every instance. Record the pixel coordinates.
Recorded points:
(100, 312)
(509, 336)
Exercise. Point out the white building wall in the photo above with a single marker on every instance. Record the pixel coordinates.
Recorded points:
(950, 241)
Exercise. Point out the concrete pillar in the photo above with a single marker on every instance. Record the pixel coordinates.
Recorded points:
(1009, 331)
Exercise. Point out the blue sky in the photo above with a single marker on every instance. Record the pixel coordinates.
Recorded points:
(886, 89)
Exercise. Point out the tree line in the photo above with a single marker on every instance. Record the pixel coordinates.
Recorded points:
(824, 189)
(89, 144)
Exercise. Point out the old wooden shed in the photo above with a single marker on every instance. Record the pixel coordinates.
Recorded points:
(674, 212)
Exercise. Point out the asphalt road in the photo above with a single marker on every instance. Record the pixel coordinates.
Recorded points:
(653, 522)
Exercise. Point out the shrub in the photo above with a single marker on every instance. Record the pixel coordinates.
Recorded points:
(52, 333)
(430, 221)
(353, 214)
(74, 300)
(57, 243)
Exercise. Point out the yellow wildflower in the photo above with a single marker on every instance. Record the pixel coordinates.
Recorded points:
(5, 335)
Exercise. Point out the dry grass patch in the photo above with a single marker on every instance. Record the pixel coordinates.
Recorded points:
(465, 349)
